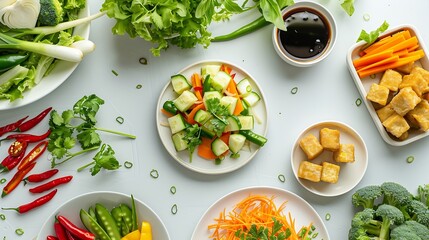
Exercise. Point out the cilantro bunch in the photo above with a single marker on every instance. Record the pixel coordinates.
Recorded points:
(78, 125)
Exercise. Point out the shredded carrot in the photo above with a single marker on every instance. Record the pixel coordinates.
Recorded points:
(258, 210)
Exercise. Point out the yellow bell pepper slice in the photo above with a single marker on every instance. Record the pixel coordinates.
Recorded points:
(134, 235)
(146, 231)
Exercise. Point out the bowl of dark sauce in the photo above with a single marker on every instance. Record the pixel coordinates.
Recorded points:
(310, 34)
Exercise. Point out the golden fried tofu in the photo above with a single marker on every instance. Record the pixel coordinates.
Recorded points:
(345, 154)
(416, 82)
(405, 69)
(391, 79)
(330, 172)
(378, 94)
(423, 72)
(419, 116)
(405, 101)
(311, 146)
(396, 125)
(310, 171)
(385, 112)
(330, 139)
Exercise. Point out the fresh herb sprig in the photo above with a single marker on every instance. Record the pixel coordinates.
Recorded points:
(220, 113)
(192, 137)
(79, 125)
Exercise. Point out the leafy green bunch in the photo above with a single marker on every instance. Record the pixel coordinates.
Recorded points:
(78, 125)
(390, 211)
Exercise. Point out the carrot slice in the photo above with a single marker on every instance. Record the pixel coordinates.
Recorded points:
(191, 115)
(232, 88)
(226, 68)
(205, 148)
(197, 85)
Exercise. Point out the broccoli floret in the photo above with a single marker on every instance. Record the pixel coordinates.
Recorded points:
(74, 4)
(51, 13)
(410, 230)
(390, 215)
(395, 194)
(366, 196)
(419, 212)
(364, 225)
(423, 194)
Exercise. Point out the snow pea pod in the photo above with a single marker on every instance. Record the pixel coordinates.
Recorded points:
(8, 61)
(106, 221)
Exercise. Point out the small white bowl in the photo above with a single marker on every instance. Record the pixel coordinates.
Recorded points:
(327, 19)
(350, 173)
(71, 209)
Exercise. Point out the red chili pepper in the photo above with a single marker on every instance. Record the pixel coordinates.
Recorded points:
(35, 153)
(34, 204)
(34, 121)
(50, 237)
(16, 179)
(12, 126)
(9, 165)
(29, 138)
(16, 148)
(51, 184)
(60, 231)
(6, 161)
(75, 230)
(70, 236)
(38, 177)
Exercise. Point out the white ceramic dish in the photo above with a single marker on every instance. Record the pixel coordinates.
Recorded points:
(301, 210)
(71, 208)
(199, 164)
(363, 85)
(350, 173)
(55, 78)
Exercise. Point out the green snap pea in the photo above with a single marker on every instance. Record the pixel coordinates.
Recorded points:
(118, 215)
(253, 137)
(92, 225)
(8, 61)
(134, 214)
(91, 212)
(106, 221)
(170, 107)
(127, 216)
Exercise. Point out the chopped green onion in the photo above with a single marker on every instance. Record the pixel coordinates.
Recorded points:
(3, 180)
(19, 231)
(115, 73)
(143, 61)
(128, 164)
(120, 120)
(410, 159)
(358, 102)
(366, 17)
(2, 217)
(154, 173)
(328, 216)
(174, 209)
(294, 90)
(173, 189)
(281, 178)
(139, 86)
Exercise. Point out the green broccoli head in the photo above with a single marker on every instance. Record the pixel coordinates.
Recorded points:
(366, 196)
(410, 230)
(51, 13)
(74, 4)
(419, 212)
(395, 194)
(423, 194)
(364, 225)
(390, 215)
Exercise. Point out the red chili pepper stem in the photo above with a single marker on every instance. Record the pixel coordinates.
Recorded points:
(34, 204)
(34, 121)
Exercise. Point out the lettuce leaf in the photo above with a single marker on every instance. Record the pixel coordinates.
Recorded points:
(373, 35)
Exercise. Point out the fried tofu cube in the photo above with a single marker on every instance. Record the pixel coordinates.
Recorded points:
(423, 72)
(330, 139)
(310, 171)
(385, 112)
(396, 125)
(346, 153)
(391, 79)
(416, 82)
(311, 146)
(405, 101)
(330, 172)
(378, 94)
(406, 69)
(419, 116)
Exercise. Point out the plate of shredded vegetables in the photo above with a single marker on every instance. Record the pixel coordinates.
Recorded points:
(212, 117)
(253, 212)
(42, 74)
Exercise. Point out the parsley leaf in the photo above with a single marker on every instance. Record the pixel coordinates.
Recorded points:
(369, 38)
(192, 137)
(105, 158)
(220, 112)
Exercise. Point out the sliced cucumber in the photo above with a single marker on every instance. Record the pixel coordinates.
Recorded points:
(221, 81)
(210, 69)
(236, 142)
(219, 147)
(252, 99)
(247, 122)
(201, 116)
(244, 88)
(207, 132)
(185, 101)
(230, 102)
(180, 83)
(210, 95)
(234, 124)
(177, 123)
(178, 140)
(246, 110)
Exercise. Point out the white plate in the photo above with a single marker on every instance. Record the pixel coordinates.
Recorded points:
(350, 173)
(71, 209)
(363, 85)
(301, 210)
(58, 75)
(199, 164)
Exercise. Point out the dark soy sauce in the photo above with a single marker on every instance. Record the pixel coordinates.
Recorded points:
(307, 33)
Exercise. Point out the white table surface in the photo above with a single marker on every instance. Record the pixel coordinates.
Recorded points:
(326, 92)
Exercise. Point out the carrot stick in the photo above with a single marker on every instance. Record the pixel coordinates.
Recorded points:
(413, 48)
(382, 62)
(392, 65)
(406, 34)
(402, 52)
(390, 43)
(168, 114)
(226, 68)
(197, 85)
(367, 60)
(406, 44)
(232, 88)
(191, 115)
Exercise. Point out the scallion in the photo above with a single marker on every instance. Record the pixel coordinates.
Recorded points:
(174, 209)
(120, 120)
(281, 178)
(154, 173)
(128, 164)
(143, 61)
(173, 189)
(358, 102)
(19, 231)
(3, 180)
(294, 90)
(410, 159)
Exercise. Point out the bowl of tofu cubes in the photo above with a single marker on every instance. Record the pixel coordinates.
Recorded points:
(392, 76)
(329, 158)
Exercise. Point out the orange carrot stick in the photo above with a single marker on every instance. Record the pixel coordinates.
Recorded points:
(406, 44)
(392, 65)
(232, 88)
(369, 59)
(379, 63)
(390, 43)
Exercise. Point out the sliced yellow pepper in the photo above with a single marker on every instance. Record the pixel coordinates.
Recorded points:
(134, 235)
(146, 231)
